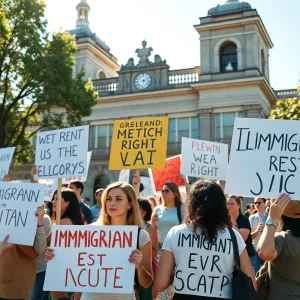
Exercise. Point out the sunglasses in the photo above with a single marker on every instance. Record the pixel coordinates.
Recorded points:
(257, 203)
(165, 191)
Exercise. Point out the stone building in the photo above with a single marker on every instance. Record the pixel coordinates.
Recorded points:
(201, 102)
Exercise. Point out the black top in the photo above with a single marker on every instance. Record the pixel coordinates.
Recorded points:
(243, 222)
(88, 217)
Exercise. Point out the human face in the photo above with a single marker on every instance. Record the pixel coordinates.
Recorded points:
(260, 205)
(167, 194)
(76, 190)
(98, 198)
(117, 204)
(232, 206)
(64, 205)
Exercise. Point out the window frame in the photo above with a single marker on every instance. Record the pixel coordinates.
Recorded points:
(177, 131)
(234, 64)
(238, 114)
(108, 136)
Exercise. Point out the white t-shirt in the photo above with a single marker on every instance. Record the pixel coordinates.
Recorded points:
(202, 268)
(167, 218)
(144, 239)
(254, 220)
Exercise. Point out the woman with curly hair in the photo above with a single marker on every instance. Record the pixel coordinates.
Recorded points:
(200, 250)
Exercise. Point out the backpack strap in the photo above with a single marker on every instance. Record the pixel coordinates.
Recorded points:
(136, 280)
(235, 249)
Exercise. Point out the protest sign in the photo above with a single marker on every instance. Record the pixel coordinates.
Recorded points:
(62, 153)
(6, 155)
(148, 190)
(92, 259)
(139, 143)
(18, 204)
(170, 173)
(124, 176)
(264, 158)
(80, 178)
(204, 159)
(51, 187)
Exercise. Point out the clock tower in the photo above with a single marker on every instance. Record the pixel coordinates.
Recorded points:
(146, 75)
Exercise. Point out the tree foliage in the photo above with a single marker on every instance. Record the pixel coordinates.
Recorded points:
(288, 109)
(37, 90)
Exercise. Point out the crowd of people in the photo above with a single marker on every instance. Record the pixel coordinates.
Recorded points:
(184, 248)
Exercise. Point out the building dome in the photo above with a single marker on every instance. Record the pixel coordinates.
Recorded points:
(231, 6)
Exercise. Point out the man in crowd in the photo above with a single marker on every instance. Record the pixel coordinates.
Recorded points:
(97, 207)
(257, 223)
(78, 187)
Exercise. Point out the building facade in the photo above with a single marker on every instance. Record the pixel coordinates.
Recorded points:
(201, 102)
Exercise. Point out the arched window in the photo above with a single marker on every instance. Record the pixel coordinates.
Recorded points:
(228, 58)
(101, 181)
(102, 75)
(263, 62)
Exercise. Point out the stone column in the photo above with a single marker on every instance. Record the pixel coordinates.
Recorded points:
(205, 124)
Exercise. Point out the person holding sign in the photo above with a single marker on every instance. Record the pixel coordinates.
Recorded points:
(120, 207)
(282, 249)
(200, 250)
(18, 264)
(165, 216)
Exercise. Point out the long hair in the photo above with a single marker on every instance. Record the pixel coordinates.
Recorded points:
(206, 208)
(133, 214)
(73, 210)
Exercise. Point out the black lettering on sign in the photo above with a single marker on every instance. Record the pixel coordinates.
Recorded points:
(177, 274)
(4, 157)
(13, 217)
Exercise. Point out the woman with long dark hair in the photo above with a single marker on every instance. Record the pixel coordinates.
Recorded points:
(70, 215)
(200, 250)
(282, 249)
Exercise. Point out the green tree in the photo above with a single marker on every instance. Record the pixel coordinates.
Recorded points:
(37, 90)
(288, 109)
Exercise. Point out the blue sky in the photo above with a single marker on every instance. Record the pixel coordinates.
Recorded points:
(167, 25)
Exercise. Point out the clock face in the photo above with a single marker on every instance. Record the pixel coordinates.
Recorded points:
(142, 81)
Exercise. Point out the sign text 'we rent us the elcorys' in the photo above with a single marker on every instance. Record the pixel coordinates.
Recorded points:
(265, 158)
(62, 153)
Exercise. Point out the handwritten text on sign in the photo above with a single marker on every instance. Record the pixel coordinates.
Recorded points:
(200, 271)
(18, 204)
(92, 259)
(62, 153)
(139, 143)
(265, 158)
(51, 187)
(170, 173)
(204, 159)
(6, 155)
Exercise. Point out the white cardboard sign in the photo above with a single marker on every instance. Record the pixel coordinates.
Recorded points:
(204, 159)
(18, 204)
(80, 178)
(51, 187)
(265, 158)
(62, 153)
(124, 176)
(92, 259)
(6, 155)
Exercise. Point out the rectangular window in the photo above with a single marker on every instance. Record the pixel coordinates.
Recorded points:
(183, 127)
(100, 136)
(224, 123)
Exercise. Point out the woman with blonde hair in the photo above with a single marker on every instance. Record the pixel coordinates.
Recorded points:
(120, 207)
